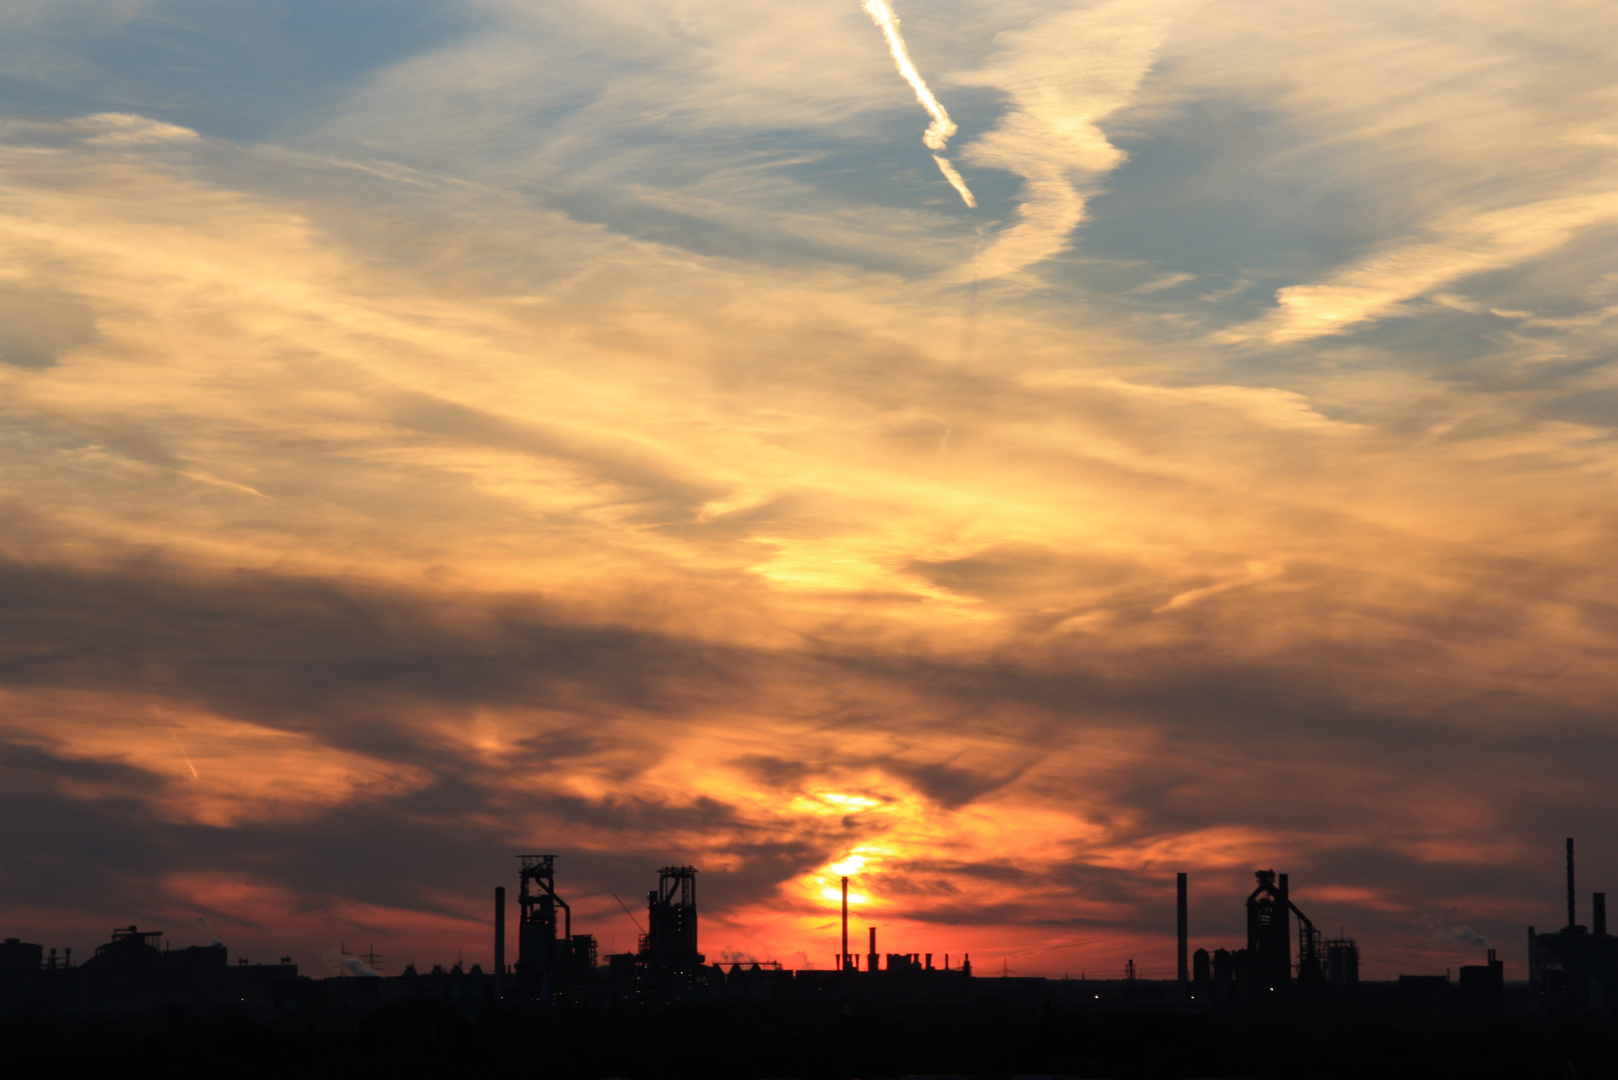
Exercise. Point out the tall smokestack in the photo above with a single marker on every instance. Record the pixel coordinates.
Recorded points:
(1572, 920)
(1180, 925)
(870, 959)
(499, 941)
(1598, 916)
(845, 924)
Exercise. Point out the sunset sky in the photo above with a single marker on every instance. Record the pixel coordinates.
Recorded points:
(438, 430)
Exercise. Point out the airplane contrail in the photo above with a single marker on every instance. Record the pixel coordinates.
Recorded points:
(185, 755)
(938, 132)
(174, 733)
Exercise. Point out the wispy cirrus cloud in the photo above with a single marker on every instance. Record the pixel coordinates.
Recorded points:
(1064, 74)
(1464, 244)
(1472, 137)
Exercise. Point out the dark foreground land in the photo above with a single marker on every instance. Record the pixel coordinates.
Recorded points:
(813, 1042)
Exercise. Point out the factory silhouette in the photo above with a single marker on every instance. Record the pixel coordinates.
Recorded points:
(1571, 971)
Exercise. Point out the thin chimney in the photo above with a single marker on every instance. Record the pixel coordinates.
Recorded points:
(844, 961)
(1180, 926)
(1572, 919)
(499, 941)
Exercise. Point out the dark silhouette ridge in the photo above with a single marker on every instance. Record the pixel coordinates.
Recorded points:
(988, 1040)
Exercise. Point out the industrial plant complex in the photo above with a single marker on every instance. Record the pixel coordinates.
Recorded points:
(1285, 961)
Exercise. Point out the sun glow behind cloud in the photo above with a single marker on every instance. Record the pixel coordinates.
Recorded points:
(631, 458)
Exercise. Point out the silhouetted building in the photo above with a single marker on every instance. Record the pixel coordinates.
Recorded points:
(549, 957)
(131, 970)
(1483, 984)
(1268, 962)
(1269, 936)
(669, 959)
(1340, 961)
(1263, 971)
(1575, 968)
(671, 927)
(20, 967)
(1224, 974)
(131, 974)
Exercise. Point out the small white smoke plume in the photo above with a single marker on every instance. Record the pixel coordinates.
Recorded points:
(1460, 935)
(938, 132)
(1442, 932)
(344, 964)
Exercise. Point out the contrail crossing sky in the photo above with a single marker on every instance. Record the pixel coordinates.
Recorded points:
(939, 131)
